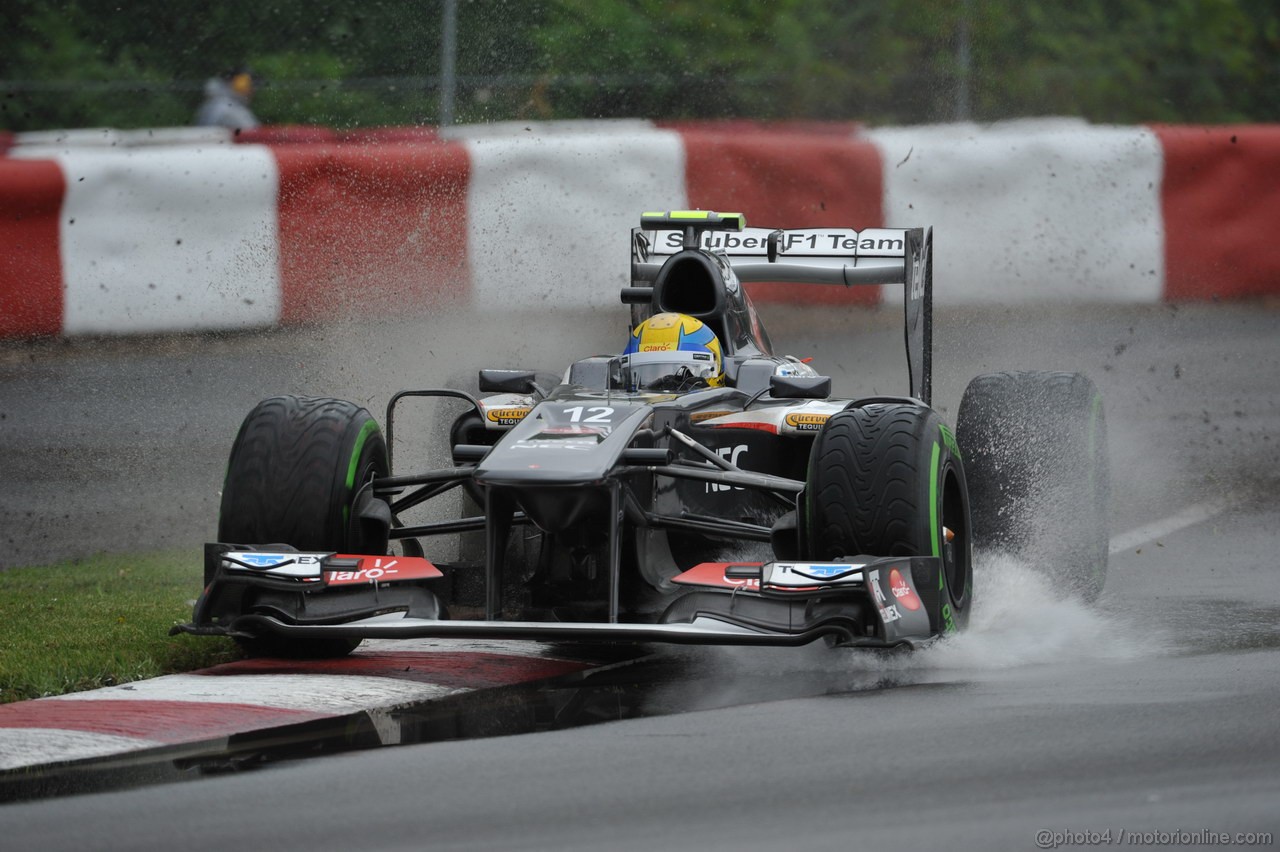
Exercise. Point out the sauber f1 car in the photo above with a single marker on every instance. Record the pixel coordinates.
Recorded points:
(697, 488)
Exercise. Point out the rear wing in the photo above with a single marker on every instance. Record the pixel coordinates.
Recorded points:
(840, 256)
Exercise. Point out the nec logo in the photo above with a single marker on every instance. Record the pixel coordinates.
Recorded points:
(731, 455)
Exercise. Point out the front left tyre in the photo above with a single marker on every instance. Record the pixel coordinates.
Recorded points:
(300, 474)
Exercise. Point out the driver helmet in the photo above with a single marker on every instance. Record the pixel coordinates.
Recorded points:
(672, 352)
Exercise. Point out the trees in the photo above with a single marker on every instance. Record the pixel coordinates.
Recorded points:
(70, 63)
(1154, 60)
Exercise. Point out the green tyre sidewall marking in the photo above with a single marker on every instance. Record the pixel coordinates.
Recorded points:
(369, 428)
(935, 539)
(935, 508)
(949, 438)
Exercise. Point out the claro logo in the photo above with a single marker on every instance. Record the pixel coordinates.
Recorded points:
(902, 591)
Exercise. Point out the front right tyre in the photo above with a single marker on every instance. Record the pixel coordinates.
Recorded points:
(887, 480)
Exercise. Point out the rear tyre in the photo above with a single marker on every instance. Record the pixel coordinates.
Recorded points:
(1036, 455)
(887, 480)
(298, 475)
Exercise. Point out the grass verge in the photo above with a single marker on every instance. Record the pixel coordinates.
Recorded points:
(98, 622)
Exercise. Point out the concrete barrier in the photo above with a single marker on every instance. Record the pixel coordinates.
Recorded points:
(370, 229)
(1037, 211)
(1220, 207)
(170, 239)
(30, 266)
(153, 231)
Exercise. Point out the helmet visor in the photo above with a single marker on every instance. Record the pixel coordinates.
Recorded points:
(659, 370)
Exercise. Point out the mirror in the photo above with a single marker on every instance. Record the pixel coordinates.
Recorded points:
(507, 381)
(800, 387)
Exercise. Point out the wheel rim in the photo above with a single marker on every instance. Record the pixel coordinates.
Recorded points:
(956, 552)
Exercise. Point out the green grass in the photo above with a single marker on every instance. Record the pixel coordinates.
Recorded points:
(98, 622)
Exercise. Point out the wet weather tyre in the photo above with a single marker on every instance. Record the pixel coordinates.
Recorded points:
(886, 480)
(1035, 447)
(298, 472)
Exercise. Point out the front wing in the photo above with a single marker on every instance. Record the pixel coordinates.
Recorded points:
(862, 602)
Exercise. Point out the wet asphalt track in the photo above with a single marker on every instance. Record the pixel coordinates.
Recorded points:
(1154, 711)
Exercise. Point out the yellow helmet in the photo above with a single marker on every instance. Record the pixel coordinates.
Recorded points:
(672, 352)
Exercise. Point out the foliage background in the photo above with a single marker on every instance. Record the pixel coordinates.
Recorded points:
(82, 63)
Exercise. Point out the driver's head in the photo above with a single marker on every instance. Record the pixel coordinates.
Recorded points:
(241, 82)
(672, 352)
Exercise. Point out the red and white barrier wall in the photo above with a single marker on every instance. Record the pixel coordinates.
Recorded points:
(108, 232)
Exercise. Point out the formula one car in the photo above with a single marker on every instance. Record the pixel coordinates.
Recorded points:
(696, 488)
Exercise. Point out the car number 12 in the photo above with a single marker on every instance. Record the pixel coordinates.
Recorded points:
(603, 414)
